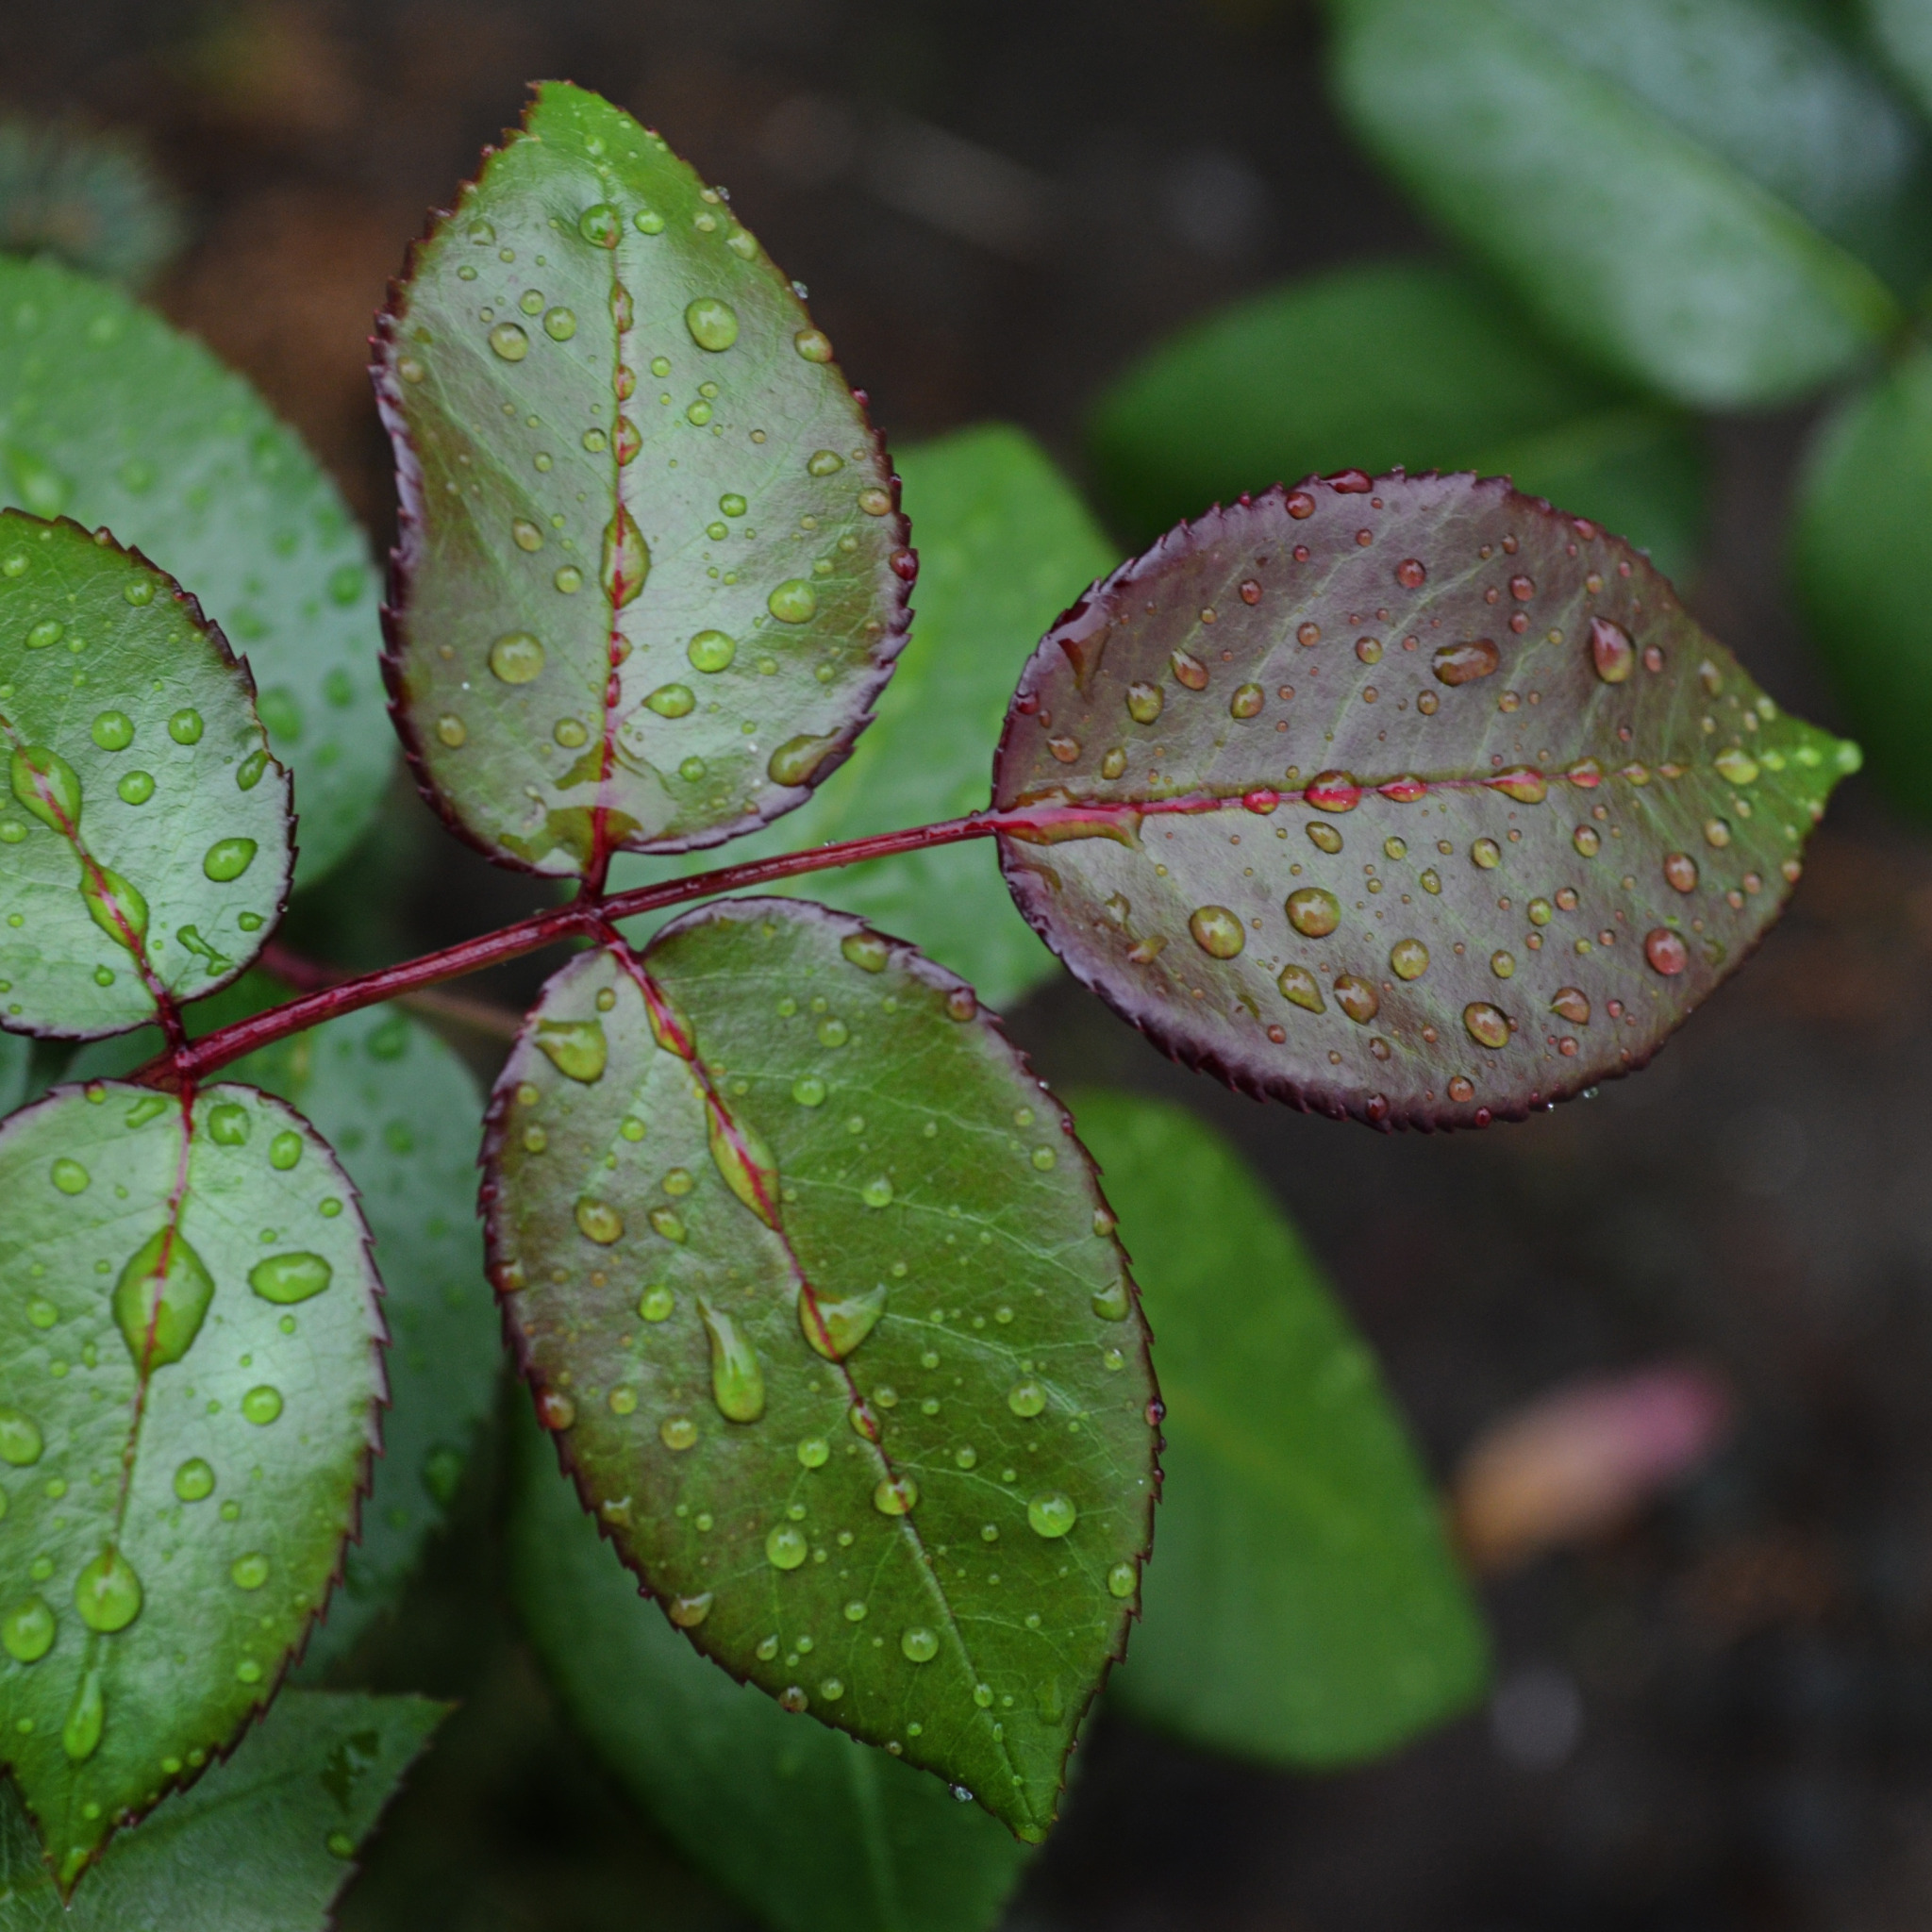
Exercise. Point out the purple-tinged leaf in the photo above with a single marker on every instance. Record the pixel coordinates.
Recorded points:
(1411, 799)
(820, 1297)
(653, 570)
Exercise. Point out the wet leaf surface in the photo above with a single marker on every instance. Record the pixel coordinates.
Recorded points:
(1005, 546)
(1302, 1606)
(262, 1843)
(653, 572)
(1381, 363)
(113, 418)
(829, 1320)
(1410, 799)
(1662, 185)
(813, 1830)
(187, 1412)
(144, 832)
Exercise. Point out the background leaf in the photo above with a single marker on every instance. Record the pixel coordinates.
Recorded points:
(258, 1844)
(813, 1830)
(628, 621)
(1903, 29)
(1410, 799)
(1864, 503)
(830, 1326)
(1301, 1606)
(1656, 181)
(109, 416)
(1385, 365)
(1005, 546)
(155, 1580)
(144, 834)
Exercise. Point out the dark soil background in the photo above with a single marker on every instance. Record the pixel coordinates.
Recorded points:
(1720, 1720)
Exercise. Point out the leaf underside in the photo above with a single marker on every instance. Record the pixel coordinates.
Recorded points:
(813, 1830)
(186, 1413)
(1303, 1606)
(653, 571)
(110, 416)
(258, 1844)
(925, 1531)
(1442, 808)
(144, 829)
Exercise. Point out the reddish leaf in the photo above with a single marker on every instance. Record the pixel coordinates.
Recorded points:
(1411, 799)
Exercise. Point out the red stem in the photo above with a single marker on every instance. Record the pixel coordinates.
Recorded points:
(195, 1061)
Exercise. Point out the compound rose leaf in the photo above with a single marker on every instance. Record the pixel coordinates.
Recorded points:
(1411, 799)
(653, 571)
(820, 1297)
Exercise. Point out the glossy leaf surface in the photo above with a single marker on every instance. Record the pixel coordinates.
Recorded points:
(830, 1323)
(814, 1831)
(1302, 1605)
(1864, 498)
(1661, 184)
(109, 416)
(187, 1389)
(145, 833)
(1005, 546)
(1414, 800)
(1385, 363)
(653, 571)
(260, 1843)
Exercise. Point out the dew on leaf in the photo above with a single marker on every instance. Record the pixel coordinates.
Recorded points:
(226, 860)
(285, 1150)
(896, 1495)
(87, 1716)
(814, 1452)
(286, 1280)
(919, 1644)
(1486, 1024)
(656, 1303)
(108, 1593)
(713, 323)
(135, 788)
(1217, 931)
(262, 1405)
(1051, 1515)
(70, 1177)
(599, 1222)
(737, 1383)
(786, 1547)
(161, 1298)
(1408, 958)
(1026, 1398)
(195, 1480)
(677, 1432)
(112, 730)
(21, 1442)
(1313, 912)
(576, 1048)
(249, 1572)
(1299, 987)
(27, 1630)
(794, 601)
(712, 650)
(1610, 650)
(517, 658)
(510, 341)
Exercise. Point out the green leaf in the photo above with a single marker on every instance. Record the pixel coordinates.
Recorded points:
(1863, 501)
(108, 415)
(210, 1282)
(1659, 183)
(260, 1843)
(144, 842)
(814, 1831)
(1005, 545)
(1303, 1606)
(400, 1109)
(653, 572)
(1903, 29)
(1411, 799)
(1383, 365)
(818, 1292)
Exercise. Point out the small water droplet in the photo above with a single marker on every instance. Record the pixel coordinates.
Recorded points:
(1299, 987)
(1486, 854)
(711, 651)
(510, 341)
(451, 730)
(1666, 952)
(814, 1452)
(249, 1572)
(677, 1432)
(1573, 1003)
(919, 1644)
(135, 788)
(1357, 997)
(1409, 958)
(80, 1735)
(813, 344)
(794, 601)
(597, 1221)
(688, 1612)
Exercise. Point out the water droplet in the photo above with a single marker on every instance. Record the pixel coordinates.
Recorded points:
(797, 759)
(226, 860)
(1522, 783)
(115, 906)
(1464, 663)
(737, 1383)
(1334, 791)
(671, 701)
(787, 1547)
(1611, 651)
(228, 1125)
(1051, 1515)
(576, 1048)
(626, 562)
(570, 580)
(1144, 702)
(834, 1328)
(510, 341)
(1247, 701)
(559, 325)
(1189, 670)
(813, 344)
(1665, 951)
(1409, 958)
(747, 1165)
(135, 788)
(48, 787)
(20, 1438)
(678, 1433)
(876, 1192)
(1573, 1003)
(601, 224)
(1216, 931)
(249, 1572)
(919, 1644)
(1587, 841)
(285, 1279)
(1486, 854)
(794, 601)
(897, 1495)
(452, 730)
(161, 1298)
(712, 650)
(713, 324)
(1357, 997)
(42, 1312)
(1112, 1302)
(194, 1481)
(70, 1177)
(1738, 766)
(1313, 912)
(517, 658)
(599, 1222)
(1026, 1398)
(80, 1736)
(107, 1593)
(112, 731)
(1680, 870)
(809, 1091)
(1299, 988)
(688, 1612)
(1486, 1024)
(262, 1405)
(27, 1630)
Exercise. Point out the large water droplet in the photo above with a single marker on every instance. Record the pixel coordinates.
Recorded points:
(711, 651)
(48, 787)
(185, 726)
(786, 1547)
(160, 1299)
(262, 1405)
(27, 1630)
(1299, 987)
(1357, 997)
(1737, 765)
(794, 601)
(20, 1438)
(194, 1481)
(1680, 870)
(288, 1278)
(749, 1168)
(107, 1593)
(713, 324)
(249, 1570)
(738, 1384)
(918, 1645)
(80, 1736)
(114, 906)
(70, 1177)
(227, 859)
(1611, 651)
(1123, 1579)
(1144, 702)
(601, 224)
(896, 1495)
(517, 658)
(576, 1048)
(1051, 1515)
(1026, 1398)
(1465, 663)
(1486, 1024)
(834, 1328)
(1217, 931)
(112, 730)
(1313, 912)
(626, 561)
(797, 759)
(1666, 952)
(1112, 1302)
(510, 341)
(1409, 958)
(688, 1612)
